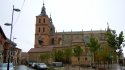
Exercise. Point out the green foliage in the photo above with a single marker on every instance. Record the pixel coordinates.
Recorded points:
(120, 39)
(44, 57)
(93, 44)
(105, 53)
(111, 39)
(58, 55)
(77, 51)
(114, 41)
(68, 54)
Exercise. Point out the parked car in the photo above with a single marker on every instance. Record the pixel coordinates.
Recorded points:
(42, 66)
(3, 66)
(33, 65)
(57, 66)
(122, 68)
(30, 64)
(36, 65)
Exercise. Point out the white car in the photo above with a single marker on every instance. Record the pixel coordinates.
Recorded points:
(42, 66)
(3, 66)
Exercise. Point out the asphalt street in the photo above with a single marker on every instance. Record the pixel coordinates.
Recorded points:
(23, 67)
(112, 67)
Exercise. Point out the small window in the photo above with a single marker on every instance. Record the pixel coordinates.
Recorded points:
(39, 20)
(44, 20)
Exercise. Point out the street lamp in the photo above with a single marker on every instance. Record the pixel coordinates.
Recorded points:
(11, 24)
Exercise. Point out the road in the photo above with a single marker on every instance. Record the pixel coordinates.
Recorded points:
(117, 67)
(113, 67)
(23, 67)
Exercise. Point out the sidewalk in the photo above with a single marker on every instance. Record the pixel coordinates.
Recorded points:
(77, 68)
(114, 67)
(108, 67)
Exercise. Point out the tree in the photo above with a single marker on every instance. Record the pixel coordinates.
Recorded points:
(111, 39)
(44, 57)
(94, 46)
(77, 52)
(120, 40)
(115, 42)
(68, 54)
(58, 55)
(105, 54)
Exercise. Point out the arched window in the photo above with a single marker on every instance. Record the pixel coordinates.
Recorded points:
(52, 41)
(51, 29)
(43, 29)
(39, 29)
(44, 20)
(59, 41)
(39, 20)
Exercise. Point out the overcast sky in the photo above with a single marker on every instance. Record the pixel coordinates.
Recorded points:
(67, 15)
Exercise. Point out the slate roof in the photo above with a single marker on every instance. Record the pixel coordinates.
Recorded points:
(43, 11)
(1, 31)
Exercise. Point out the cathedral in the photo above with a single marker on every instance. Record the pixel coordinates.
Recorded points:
(47, 40)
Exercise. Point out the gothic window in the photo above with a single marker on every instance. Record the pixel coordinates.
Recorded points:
(39, 20)
(39, 29)
(102, 36)
(59, 41)
(40, 41)
(43, 29)
(86, 39)
(52, 41)
(43, 20)
(51, 29)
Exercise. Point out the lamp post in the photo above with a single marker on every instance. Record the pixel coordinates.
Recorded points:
(117, 56)
(11, 24)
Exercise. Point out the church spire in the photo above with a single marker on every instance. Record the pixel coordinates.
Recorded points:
(50, 18)
(108, 29)
(43, 11)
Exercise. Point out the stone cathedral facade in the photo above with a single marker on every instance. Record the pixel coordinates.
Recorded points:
(47, 40)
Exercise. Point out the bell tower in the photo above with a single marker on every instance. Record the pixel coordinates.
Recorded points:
(44, 29)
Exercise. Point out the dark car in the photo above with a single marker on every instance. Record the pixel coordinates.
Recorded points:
(42, 66)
